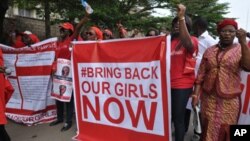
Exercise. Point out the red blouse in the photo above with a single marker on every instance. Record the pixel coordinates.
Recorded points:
(220, 71)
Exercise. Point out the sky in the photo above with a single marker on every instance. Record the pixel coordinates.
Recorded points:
(239, 9)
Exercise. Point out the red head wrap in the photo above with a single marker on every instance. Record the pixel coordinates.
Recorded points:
(108, 32)
(226, 22)
(98, 32)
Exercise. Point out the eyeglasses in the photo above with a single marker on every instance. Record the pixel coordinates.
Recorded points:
(89, 33)
(228, 31)
(63, 30)
(106, 34)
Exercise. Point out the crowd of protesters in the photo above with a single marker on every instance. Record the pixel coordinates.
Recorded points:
(212, 65)
(19, 39)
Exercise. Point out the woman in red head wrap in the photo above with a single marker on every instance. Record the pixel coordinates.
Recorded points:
(23, 39)
(219, 80)
(107, 34)
(93, 33)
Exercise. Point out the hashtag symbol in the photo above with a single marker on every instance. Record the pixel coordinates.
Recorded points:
(84, 71)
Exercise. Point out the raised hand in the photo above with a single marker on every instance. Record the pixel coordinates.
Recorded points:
(181, 9)
(241, 34)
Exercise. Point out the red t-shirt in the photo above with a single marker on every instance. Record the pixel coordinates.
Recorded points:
(63, 46)
(178, 79)
(62, 51)
(18, 43)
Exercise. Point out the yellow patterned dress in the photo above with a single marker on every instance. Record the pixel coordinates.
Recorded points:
(219, 77)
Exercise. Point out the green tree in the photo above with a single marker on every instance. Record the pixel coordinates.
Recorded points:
(209, 9)
(132, 13)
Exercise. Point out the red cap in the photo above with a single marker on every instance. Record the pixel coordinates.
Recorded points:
(226, 22)
(67, 26)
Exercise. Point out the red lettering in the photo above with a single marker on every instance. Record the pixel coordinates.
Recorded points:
(247, 96)
(96, 87)
(98, 71)
(30, 118)
(87, 105)
(143, 75)
(118, 91)
(109, 73)
(90, 72)
(105, 87)
(107, 113)
(136, 114)
(132, 89)
(128, 73)
(117, 73)
(142, 92)
(86, 87)
(102, 72)
(141, 109)
(154, 74)
(153, 94)
(136, 91)
(136, 74)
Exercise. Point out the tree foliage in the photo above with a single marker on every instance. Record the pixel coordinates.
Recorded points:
(211, 10)
(131, 13)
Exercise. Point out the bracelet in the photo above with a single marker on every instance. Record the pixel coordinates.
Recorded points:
(194, 96)
(182, 19)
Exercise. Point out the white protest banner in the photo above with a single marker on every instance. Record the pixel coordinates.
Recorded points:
(31, 78)
(244, 117)
(121, 89)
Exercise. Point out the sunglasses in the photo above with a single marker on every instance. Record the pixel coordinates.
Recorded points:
(89, 33)
(106, 34)
(63, 30)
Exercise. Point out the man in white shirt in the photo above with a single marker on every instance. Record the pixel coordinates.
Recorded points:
(205, 40)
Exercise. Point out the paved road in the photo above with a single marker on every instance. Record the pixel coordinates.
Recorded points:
(44, 132)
